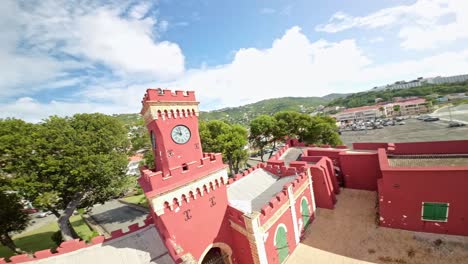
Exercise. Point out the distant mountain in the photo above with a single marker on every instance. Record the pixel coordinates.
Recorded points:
(333, 96)
(244, 114)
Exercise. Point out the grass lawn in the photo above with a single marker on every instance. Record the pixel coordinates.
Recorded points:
(34, 240)
(138, 199)
(39, 239)
(81, 228)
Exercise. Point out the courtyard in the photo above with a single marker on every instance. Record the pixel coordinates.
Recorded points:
(413, 131)
(349, 234)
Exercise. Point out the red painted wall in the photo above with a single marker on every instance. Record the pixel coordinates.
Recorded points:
(403, 189)
(360, 170)
(369, 145)
(242, 248)
(208, 224)
(435, 147)
(323, 187)
(270, 248)
(403, 192)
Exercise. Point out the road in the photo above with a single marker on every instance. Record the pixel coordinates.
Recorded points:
(114, 215)
(458, 113)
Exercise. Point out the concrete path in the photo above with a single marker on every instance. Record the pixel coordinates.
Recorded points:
(114, 215)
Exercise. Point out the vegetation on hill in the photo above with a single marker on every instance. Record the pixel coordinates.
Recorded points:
(368, 98)
(244, 114)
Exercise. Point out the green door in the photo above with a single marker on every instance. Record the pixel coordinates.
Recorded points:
(281, 244)
(305, 213)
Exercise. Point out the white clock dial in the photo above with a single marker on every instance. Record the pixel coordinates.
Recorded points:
(180, 134)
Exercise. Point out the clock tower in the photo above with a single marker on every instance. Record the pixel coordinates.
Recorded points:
(172, 121)
(186, 191)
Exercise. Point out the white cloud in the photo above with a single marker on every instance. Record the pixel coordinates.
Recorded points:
(423, 25)
(42, 41)
(127, 45)
(139, 11)
(376, 40)
(293, 66)
(31, 110)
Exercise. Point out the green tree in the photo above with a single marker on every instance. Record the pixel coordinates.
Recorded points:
(397, 108)
(262, 132)
(382, 109)
(230, 140)
(76, 162)
(16, 146)
(12, 218)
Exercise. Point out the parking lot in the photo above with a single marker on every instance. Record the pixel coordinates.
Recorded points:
(414, 130)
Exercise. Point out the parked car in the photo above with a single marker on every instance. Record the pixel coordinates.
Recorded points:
(431, 119)
(401, 123)
(455, 124)
(422, 117)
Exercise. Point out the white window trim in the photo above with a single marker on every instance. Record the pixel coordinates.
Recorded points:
(429, 220)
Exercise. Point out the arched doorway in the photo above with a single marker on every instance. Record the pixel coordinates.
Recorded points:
(281, 243)
(305, 212)
(217, 253)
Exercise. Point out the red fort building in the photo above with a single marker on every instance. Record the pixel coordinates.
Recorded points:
(201, 214)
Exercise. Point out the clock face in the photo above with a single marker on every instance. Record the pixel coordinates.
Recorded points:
(180, 134)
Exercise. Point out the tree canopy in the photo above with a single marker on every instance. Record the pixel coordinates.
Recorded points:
(67, 162)
(230, 140)
(266, 130)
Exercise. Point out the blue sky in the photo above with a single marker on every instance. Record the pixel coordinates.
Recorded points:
(60, 57)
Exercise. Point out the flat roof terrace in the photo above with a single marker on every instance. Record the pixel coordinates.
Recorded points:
(255, 190)
(427, 160)
(292, 154)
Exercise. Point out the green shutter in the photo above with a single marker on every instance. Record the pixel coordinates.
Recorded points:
(282, 244)
(435, 211)
(305, 213)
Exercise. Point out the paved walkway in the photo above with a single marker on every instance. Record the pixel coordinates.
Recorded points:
(114, 215)
(349, 234)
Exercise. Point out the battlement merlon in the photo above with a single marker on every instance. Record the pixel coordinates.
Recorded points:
(165, 95)
(165, 104)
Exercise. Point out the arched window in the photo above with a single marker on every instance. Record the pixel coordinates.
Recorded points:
(305, 212)
(281, 243)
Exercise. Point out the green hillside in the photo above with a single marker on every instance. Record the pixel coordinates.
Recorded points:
(368, 98)
(243, 114)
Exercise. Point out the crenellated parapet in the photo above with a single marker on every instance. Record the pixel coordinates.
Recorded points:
(165, 104)
(281, 198)
(154, 182)
(236, 216)
(205, 180)
(168, 95)
(76, 244)
(278, 168)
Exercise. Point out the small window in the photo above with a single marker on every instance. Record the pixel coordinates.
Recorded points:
(435, 212)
